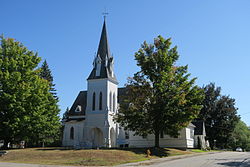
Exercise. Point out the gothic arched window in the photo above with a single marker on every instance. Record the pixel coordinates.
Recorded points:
(71, 133)
(110, 101)
(114, 102)
(93, 102)
(100, 101)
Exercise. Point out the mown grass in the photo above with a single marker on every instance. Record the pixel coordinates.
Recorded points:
(198, 151)
(102, 157)
(202, 151)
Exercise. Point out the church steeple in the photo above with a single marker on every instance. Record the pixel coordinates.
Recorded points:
(103, 49)
(103, 68)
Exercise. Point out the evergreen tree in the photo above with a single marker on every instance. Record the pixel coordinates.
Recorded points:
(46, 74)
(160, 97)
(53, 108)
(25, 97)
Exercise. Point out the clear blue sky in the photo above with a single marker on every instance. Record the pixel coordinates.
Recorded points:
(213, 38)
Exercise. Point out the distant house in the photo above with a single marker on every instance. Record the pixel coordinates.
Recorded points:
(89, 122)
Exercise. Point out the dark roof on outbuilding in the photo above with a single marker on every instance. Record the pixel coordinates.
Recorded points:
(199, 127)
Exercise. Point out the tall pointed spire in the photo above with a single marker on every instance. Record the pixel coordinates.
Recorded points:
(103, 49)
(107, 61)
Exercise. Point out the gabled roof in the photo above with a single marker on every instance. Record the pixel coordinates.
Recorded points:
(191, 125)
(81, 100)
(106, 58)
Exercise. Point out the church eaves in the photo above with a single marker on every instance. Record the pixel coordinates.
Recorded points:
(103, 53)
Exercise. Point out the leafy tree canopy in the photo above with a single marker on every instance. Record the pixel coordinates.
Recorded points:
(25, 99)
(220, 116)
(160, 97)
(241, 136)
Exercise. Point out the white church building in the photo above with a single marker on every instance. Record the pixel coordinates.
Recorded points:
(89, 122)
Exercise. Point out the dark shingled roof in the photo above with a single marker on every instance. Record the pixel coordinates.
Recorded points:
(199, 127)
(80, 100)
(105, 55)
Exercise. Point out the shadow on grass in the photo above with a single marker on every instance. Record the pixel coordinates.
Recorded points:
(158, 152)
(55, 149)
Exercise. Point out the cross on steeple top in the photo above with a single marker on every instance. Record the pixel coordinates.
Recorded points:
(105, 13)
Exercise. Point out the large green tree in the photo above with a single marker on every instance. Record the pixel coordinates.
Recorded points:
(24, 96)
(220, 116)
(160, 98)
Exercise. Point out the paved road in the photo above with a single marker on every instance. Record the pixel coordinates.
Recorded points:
(222, 159)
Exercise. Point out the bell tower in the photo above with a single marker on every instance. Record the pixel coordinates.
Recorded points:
(102, 97)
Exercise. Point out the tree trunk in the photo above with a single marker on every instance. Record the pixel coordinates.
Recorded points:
(211, 143)
(157, 139)
(5, 145)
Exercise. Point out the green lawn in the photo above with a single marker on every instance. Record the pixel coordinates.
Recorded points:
(107, 157)
(198, 151)
(201, 151)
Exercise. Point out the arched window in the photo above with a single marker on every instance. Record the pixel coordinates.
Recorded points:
(114, 102)
(71, 133)
(100, 101)
(110, 101)
(93, 102)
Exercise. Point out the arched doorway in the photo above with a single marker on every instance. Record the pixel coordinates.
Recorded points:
(112, 137)
(96, 137)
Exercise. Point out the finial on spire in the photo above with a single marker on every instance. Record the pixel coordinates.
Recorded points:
(105, 13)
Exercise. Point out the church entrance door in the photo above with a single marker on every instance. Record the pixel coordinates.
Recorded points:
(96, 137)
